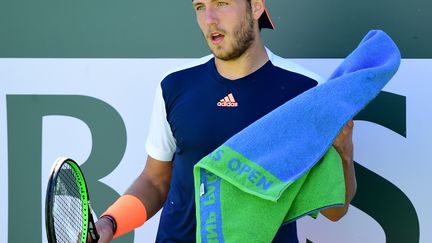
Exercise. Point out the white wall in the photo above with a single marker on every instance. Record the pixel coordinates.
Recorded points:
(128, 86)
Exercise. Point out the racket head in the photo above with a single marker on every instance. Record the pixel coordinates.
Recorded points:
(68, 216)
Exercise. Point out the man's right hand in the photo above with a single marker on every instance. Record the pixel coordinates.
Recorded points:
(105, 229)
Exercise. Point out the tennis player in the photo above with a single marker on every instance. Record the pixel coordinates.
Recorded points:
(199, 107)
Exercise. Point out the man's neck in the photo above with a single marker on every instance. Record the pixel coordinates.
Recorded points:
(253, 59)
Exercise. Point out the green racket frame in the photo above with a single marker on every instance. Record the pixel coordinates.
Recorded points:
(88, 225)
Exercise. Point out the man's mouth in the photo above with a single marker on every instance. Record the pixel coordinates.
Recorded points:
(216, 38)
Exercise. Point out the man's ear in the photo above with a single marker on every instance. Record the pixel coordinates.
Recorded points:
(257, 8)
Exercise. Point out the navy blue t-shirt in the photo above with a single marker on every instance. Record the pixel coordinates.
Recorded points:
(203, 110)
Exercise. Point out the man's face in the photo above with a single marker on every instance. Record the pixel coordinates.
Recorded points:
(227, 26)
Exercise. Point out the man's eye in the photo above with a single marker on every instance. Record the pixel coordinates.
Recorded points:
(219, 4)
(199, 7)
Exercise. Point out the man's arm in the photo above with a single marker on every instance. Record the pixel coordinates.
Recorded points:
(151, 187)
(344, 145)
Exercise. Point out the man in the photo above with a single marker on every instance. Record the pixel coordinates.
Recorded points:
(199, 107)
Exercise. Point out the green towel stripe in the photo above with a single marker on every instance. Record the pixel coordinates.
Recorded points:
(197, 182)
(321, 187)
(243, 173)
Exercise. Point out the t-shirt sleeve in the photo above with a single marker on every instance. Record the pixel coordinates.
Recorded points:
(160, 143)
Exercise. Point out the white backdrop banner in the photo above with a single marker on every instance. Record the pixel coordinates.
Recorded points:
(97, 111)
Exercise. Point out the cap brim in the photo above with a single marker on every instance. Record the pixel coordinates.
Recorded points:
(265, 21)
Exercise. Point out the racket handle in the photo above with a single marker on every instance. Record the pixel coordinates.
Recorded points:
(94, 236)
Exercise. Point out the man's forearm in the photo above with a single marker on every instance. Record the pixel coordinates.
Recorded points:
(152, 195)
(335, 213)
(345, 148)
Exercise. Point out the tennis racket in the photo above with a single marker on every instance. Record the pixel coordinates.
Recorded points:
(68, 216)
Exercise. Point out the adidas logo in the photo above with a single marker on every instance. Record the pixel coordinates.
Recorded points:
(228, 101)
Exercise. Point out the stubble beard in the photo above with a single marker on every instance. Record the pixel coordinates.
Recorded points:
(243, 38)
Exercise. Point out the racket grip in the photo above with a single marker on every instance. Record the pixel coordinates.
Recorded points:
(94, 236)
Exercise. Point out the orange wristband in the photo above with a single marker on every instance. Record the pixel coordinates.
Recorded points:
(128, 212)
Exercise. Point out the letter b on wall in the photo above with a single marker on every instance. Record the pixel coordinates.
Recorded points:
(24, 121)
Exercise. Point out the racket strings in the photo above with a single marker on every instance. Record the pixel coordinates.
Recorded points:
(68, 208)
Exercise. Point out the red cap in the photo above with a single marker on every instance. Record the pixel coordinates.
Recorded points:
(265, 21)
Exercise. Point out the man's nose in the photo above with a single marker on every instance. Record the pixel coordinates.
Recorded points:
(210, 16)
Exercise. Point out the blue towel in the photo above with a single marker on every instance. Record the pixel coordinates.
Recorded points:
(277, 152)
